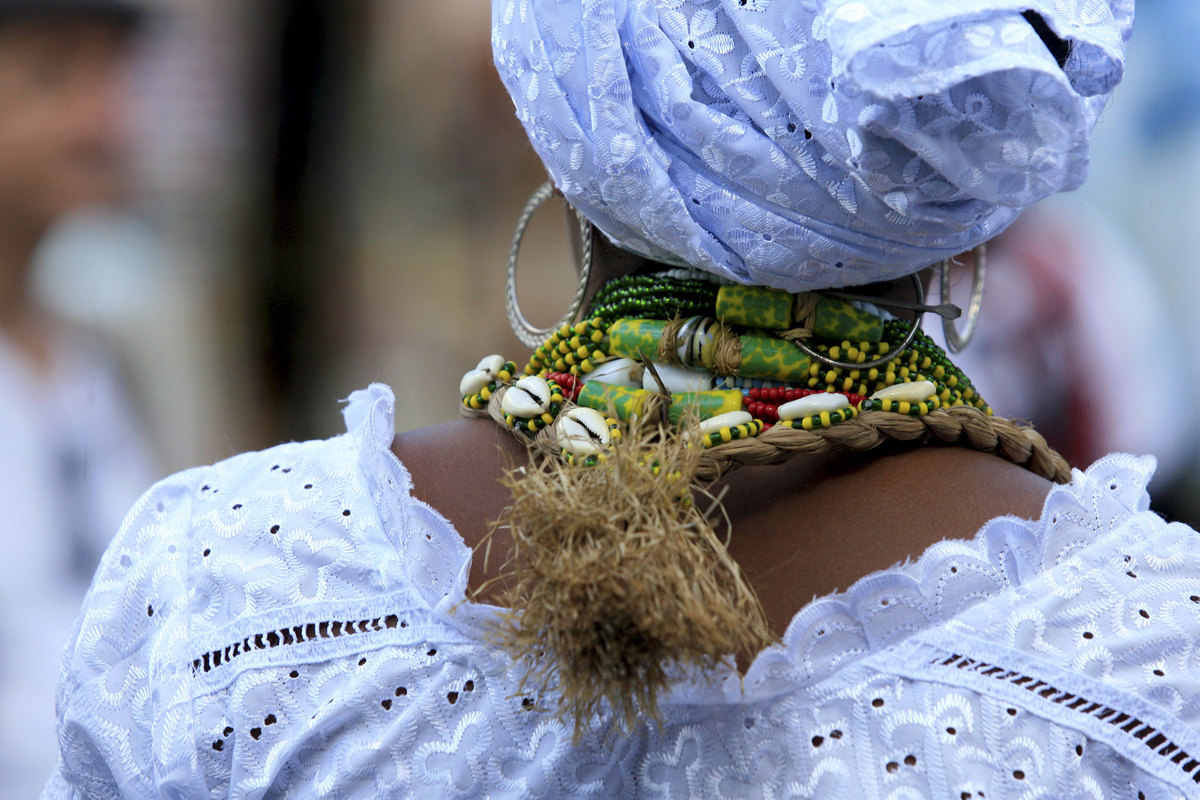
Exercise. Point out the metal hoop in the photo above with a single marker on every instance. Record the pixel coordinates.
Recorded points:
(879, 362)
(529, 335)
(955, 341)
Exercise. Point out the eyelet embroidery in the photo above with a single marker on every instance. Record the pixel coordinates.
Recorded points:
(1146, 734)
(520, 728)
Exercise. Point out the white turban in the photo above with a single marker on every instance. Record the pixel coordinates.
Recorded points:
(804, 144)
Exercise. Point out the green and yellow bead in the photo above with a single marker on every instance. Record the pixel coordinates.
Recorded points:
(825, 419)
(728, 434)
(574, 349)
(917, 409)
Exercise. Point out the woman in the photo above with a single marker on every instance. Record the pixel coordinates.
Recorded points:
(308, 621)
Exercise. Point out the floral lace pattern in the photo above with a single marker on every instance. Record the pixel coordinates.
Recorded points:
(808, 143)
(1051, 658)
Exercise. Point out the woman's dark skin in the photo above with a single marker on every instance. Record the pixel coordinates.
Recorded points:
(800, 530)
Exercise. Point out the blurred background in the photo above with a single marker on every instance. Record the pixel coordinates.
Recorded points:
(311, 196)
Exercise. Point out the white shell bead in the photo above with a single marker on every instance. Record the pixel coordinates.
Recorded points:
(583, 431)
(492, 364)
(813, 404)
(527, 398)
(615, 373)
(484, 373)
(474, 381)
(913, 392)
(678, 379)
(727, 420)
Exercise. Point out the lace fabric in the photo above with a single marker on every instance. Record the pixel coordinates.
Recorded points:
(292, 623)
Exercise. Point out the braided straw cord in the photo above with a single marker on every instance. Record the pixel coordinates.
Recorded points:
(961, 425)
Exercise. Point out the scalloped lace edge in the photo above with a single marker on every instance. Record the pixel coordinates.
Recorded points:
(999, 538)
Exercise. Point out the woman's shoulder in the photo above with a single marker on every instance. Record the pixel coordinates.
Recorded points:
(283, 555)
(254, 535)
(1085, 531)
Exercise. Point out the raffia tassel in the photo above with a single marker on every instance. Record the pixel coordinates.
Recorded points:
(621, 581)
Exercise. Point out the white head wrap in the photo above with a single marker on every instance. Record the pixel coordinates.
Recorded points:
(804, 144)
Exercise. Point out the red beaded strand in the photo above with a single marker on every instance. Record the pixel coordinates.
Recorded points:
(763, 403)
(569, 384)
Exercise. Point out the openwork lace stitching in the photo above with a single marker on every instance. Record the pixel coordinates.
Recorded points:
(295, 634)
(1147, 734)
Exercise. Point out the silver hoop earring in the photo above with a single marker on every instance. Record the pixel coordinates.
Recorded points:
(530, 336)
(879, 362)
(955, 341)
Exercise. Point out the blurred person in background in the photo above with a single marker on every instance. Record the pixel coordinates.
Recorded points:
(72, 456)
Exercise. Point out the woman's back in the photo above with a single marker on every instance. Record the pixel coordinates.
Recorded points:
(293, 623)
(800, 530)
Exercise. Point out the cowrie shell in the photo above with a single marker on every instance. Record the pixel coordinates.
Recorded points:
(583, 431)
(728, 420)
(473, 382)
(483, 374)
(813, 404)
(527, 398)
(913, 392)
(615, 373)
(492, 364)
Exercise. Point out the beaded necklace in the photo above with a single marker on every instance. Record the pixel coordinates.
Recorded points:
(619, 572)
(653, 297)
(719, 356)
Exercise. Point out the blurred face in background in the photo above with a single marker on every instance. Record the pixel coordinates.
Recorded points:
(62, 111)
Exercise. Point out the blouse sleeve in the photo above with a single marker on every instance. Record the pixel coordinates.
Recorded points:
(122, 701)
(255, 540)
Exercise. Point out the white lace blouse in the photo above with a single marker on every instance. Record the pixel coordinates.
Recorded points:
(292, 623)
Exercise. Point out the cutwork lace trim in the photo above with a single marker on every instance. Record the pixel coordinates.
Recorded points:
(1148, 735)
(295, 634)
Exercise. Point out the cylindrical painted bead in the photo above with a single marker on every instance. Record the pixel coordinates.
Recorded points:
(837, 319)
(755, 307)
(777, 359)
(631, 338)
(619, 401)
(704, 405)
